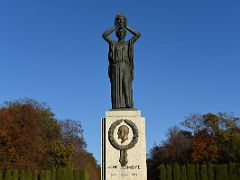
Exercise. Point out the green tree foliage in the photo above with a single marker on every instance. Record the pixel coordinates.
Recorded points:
(48, 174)
(163, 172)
(69, 174)
(210, 171)
(183, 175)
(84, 174)
(169, 172)
(80, 174)
(176, 172)
(76, 174)
(191, 175)
(7, 175)
(28, 174)
(233, 172)
(53, 174)
(203, 172)
(22, 175)
(15, 175)
(85, 160)
(225, 172)
(76, 155)
(218, 172)
(61, 154)
(197, 171)
(60, 174)
(35, 175)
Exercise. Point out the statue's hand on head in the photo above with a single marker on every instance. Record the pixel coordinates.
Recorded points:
(120, 20)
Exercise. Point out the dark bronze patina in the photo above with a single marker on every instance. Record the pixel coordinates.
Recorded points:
(123, 148)
(121, 66)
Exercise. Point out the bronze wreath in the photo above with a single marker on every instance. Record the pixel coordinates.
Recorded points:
(114, 142)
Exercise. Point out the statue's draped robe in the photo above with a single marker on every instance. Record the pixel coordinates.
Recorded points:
(120, 72)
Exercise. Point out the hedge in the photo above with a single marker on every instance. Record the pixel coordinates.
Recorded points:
(54, 174)
(208, 171)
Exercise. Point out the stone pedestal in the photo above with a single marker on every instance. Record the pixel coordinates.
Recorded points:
(123, 146)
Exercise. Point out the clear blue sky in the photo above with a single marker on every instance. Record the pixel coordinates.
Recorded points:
(186, 61)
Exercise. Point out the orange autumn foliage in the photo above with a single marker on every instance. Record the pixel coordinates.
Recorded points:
(216, 137)
(203, 148)
(32, 138)
(23, 134)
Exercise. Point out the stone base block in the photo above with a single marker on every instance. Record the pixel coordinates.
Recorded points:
(123, 146)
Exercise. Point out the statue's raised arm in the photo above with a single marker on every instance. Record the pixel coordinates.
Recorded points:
(135, 33)
(106, 34)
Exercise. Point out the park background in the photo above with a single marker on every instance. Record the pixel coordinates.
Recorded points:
(186, 61)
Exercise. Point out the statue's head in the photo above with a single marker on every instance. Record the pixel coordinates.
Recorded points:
(123, 132)
(121, 33)
(120, 20)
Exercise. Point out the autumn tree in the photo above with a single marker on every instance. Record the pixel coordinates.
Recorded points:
(175, 149)
(72, 134)
(216, 137)
(27, 128)
(31, 137)
(213, 138)
(87, 161)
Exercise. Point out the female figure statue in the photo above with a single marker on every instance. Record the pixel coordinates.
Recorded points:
(120, 57)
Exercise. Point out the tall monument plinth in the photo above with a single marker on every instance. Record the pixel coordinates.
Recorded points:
(123, 146)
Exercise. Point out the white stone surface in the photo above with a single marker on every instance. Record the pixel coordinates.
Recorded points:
(124, 113)
(136, 167)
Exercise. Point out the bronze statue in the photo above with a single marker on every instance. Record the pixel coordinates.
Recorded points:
(121, 66)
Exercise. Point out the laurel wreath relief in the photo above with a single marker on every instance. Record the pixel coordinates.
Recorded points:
(114, 142)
